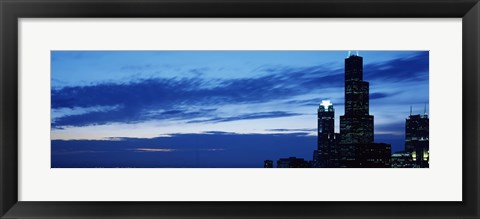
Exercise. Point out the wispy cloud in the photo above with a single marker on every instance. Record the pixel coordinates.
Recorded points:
(138, 67)
(249, 116)
(414, 68)
(380, 95)
(291, 130)
(215, 149)
(184, 98)
(154, 150)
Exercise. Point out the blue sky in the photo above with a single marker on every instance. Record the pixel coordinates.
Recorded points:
(115, 96)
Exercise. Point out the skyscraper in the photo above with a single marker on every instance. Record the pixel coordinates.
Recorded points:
(327, 144)
(416, 139)
(356, 126)
(354, 146)
(326, 119)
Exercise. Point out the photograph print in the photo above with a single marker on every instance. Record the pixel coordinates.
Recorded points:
(240, 109)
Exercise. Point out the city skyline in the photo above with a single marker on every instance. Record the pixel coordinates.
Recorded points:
(354, 146)
(221, 94)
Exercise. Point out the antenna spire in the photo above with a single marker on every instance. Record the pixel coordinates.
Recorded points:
(349, 53)
(410, 109)
(425, 109)
(357, 52)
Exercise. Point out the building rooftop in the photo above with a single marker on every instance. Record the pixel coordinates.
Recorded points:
(325, 104)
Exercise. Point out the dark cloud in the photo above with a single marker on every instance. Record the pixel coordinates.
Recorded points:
(315, 102)
(248, 116)
(125, 116)
(58, 81)
(135, 99)
(378, 95)
(412, 68)
(177, 98)
(308, 102)
(194, 90)
(391, 127)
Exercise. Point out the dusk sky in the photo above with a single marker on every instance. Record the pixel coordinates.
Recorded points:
(216, 108)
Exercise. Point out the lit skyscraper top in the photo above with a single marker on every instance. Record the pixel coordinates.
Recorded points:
(326, 104)
(326, 118)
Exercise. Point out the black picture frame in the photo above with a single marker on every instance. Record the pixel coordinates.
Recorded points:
(12, 10)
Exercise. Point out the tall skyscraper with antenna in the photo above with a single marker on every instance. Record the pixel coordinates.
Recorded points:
(354, 147)
(356, 126)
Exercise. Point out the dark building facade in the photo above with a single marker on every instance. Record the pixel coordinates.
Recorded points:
(402, 159)
(316, 162)
(354, 146)
(356, 126)
(373, 155)
(326, 154)
(268, 164)
(293, 162)
(416, 139)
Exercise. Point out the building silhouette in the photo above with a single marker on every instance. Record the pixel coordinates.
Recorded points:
(416, 152)
(326, 154)
(402, 159)
(373, 155)
(268, 164)
(293, 162)
(416, 139)
(357, 147)
(354, 146)
(356, 126)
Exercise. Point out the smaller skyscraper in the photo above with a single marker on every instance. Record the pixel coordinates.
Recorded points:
(268, 164)
(326, 154)
(416, 139)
